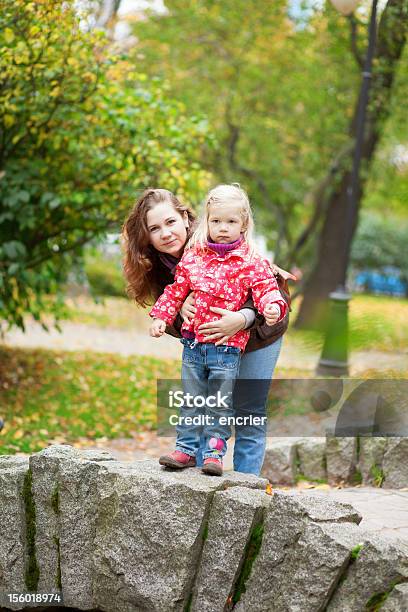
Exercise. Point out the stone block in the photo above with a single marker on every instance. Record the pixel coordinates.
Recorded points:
(371, 457)
(300, 560)
(341, 458)
(13, 542)
(377, 564)
(280, 460)
(312, 458)
(395, 464)
(234, 516)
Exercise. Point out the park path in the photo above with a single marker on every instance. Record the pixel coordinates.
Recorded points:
(127, 342)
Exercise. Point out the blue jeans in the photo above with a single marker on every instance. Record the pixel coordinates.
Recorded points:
(250, 439)
(208, 374)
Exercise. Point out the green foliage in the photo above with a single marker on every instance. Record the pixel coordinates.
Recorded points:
(377, 474)
(81, 134)
(387, 187)
(381, 241)
(105, 276)
(356, 551)
(278, 96)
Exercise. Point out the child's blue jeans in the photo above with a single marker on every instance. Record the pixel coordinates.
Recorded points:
(208, 374)
(250, 440)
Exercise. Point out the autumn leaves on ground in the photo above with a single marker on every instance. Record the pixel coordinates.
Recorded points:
(49, 396)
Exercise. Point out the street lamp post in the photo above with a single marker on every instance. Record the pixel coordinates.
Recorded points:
(334, 357)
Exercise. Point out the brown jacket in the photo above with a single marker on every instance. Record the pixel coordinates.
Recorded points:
(261, 334)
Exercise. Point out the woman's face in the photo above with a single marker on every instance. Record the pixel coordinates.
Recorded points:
(167, 229)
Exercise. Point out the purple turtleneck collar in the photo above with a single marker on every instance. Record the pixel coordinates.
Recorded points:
(169, 261)
(222, 248)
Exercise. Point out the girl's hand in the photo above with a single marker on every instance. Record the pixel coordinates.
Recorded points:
(219, 331)
(157, 328)
(284, 274)
(188, 309)
(271, 314)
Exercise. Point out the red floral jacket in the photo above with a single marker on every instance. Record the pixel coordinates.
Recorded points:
(222, 281)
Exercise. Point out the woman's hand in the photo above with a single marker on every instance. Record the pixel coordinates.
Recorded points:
(219, 331)
(188, 309)
(157, 328)
(284, 274)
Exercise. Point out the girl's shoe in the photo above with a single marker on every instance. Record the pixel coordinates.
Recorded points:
(212, 466)
(177, 460)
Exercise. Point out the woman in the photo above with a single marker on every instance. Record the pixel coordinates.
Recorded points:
(155, 235)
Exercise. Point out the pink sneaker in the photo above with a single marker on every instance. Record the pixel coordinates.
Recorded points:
(177, 460)
(212, 466)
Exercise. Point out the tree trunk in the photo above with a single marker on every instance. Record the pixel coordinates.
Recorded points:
(327, 272)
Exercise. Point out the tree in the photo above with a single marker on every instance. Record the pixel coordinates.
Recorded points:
(280, 93)
(274, 93)
(326, 274)
(81, 134)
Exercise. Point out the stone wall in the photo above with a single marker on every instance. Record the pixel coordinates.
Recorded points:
(122, 537)
(381, 462)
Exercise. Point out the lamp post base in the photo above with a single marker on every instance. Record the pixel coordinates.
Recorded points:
(334, 357)
(327, 367)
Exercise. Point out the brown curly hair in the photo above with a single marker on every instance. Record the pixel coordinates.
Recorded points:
(141, 264)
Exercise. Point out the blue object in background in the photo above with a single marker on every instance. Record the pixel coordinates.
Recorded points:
(387, 282)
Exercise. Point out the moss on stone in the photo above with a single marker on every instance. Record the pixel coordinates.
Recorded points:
(55, 499)
(32, 573)
(187, 607)
(357, 478)
(58, 580)
(378, 599)
(250, 554)
(302, 478)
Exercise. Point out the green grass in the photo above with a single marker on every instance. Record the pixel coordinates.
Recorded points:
(377, 323)
(50, 395)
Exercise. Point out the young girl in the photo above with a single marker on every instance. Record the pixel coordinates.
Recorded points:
(221, 267)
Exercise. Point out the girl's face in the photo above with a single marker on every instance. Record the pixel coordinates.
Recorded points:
(225, 222)
(167, 229)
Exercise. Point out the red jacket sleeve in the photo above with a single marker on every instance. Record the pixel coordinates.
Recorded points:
(265, 289)
(173, 296)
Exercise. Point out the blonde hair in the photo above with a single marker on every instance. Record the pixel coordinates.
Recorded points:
(225, 194)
